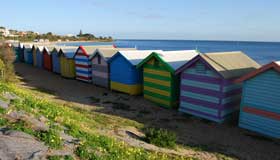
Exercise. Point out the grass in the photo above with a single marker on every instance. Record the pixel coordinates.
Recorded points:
(80, 124)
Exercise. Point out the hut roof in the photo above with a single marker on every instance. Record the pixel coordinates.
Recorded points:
(90, 49)
(68, 51)
(40, 48)
(29, 46)
(172, 59)
(231, 64)
(227, 64)
(272, 65)
(107, 53)
(134, 57)
(49, 49)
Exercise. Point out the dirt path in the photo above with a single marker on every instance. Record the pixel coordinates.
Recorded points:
(226, 139)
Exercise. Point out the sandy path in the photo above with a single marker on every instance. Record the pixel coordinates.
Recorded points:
(219, 138)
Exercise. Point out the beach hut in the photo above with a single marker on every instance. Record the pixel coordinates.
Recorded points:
(28, 56)
(67, 62)
(161, 85)
(33, 50)
(16, 49)
(56, 60)
(47, 58)
(21, 52)
(124, 76)
(100, 66)
(83, 63)
(260, 104)
(207, 89)
(39, 56)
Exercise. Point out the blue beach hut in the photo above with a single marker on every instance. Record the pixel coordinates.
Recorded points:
(260, 105)
(124, 76)
(39, 56)
(28, 56)
(56, 60)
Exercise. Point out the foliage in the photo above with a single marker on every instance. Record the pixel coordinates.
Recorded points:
(80, 124)
(51, 138)
(7, 57)
(67, 157)
(160, 137)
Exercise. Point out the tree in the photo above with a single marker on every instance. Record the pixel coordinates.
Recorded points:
(81, 33)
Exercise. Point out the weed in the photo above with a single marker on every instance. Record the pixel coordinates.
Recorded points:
(160, 137)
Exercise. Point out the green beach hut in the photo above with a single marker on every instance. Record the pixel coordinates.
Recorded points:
(161, 85)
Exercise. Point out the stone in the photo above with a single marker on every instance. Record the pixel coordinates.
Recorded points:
(19, 145)
(4, 104)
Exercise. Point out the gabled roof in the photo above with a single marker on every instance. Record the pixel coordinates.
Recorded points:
(226, 64)
(134, 57)
(27, 46)
(49, 49)
(172, 59)
(89, 50)
(40, 48)
(272, 65)
(107, 53)
(68, 51)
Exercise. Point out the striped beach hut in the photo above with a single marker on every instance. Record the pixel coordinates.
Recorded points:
(28, 56)
(47, 58)
(161, 85)
(260, 104)
(67, 62)
(100, 66)
(83, 62)
(207, 89)
(39, 56)
(124, 76)
(56, 60)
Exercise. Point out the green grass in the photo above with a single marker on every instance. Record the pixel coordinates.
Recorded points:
(82, 124)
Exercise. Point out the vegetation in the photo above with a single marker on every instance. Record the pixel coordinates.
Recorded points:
(160, 137)
(33, 36)
(7, 58)
(80, 124)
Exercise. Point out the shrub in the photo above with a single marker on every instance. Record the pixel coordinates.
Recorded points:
(51, 138)
(160, 137)
(7, 57)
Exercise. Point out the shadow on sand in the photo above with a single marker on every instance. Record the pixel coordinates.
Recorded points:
(192, 132)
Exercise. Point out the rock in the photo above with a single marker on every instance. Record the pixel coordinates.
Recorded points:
(4, 104)
(19, 145)
(10, 96)
(34, 123)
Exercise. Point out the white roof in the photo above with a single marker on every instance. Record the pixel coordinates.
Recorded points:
(41, 48)
(278, 62)
(135, 57)
(176, 59)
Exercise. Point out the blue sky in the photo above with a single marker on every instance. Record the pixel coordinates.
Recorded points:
(256, 20)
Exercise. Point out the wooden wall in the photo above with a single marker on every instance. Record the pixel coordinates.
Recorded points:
(260, 106)
(207, 95)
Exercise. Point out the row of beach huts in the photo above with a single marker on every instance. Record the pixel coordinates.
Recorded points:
(213, 86)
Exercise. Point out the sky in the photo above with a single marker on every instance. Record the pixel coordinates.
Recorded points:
(248, 20)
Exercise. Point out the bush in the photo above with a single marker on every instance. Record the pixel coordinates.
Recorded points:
(160, 137)
(7, 57)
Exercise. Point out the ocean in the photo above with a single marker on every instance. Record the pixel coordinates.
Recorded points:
(262, 52)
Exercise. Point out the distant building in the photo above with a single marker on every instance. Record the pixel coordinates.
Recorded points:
(4, 32)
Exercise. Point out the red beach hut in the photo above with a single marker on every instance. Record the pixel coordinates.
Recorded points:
(47, 58)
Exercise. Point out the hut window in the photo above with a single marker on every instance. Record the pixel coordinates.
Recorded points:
(99, 59)
(200, 68)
